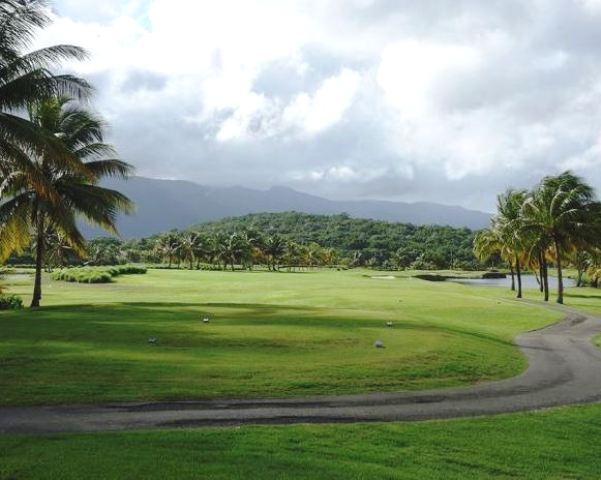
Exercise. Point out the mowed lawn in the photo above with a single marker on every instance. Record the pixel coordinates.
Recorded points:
(554, 444)
(269, 335)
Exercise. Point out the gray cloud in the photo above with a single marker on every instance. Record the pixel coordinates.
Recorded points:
(498, 93)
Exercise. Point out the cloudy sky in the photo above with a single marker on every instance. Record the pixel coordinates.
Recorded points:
(440, 100)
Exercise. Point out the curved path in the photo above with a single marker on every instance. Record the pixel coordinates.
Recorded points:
(564, 368)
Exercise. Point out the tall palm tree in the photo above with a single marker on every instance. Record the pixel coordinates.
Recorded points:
(70, 190)
(27, 77)
(536, 257)
(508, 223)
(564, 214)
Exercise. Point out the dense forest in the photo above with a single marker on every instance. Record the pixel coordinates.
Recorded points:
(362, 241)
(284, 239)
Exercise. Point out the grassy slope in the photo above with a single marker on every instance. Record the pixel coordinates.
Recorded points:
(271, 334)
(555, 444)
(587, 299)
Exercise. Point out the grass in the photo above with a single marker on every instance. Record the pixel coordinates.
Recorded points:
(282, 334)
(270, 334)
(554, 444)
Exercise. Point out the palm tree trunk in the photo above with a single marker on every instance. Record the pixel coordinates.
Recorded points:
(541, 272)
(39, 262)
(512, 277)
(545, 278)
(559, 274)
(519, 275)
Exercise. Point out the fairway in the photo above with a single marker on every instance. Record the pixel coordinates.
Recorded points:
(268, 335)
(554, 444)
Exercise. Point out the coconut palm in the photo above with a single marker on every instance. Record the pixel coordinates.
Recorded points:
(168, 247)
(274, 248)
(564, 215)
(70, 190)
(188, 248)
(26, 77)
(487, 243)
(537, 256)
(508, 223)
(58, 250)
(490, 242)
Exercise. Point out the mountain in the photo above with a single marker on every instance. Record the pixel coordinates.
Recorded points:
(166, 204)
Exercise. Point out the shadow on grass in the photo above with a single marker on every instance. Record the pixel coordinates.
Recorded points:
(582, 295)
(142, 318)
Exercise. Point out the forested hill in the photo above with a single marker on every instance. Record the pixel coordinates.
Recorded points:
(368, 241)
(165, 204)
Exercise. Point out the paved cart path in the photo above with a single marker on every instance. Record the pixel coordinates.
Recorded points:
(564, 368)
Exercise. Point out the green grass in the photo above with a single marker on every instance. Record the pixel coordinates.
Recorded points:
(270, 334)
(554, 444)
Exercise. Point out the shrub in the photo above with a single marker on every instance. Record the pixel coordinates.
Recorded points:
(431, 277)
(131, 270)
(493, 275)
(96, 274)
(10, 302)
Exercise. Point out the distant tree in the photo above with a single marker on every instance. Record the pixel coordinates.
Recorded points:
(168, 247)
(274, 249)
(187, 248)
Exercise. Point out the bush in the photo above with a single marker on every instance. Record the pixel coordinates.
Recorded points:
(131, 270)
(10, 302)
(431, 277)
(493, 275)
(96, 274)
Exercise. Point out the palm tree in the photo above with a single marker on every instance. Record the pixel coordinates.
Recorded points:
(201, 248)
(582, 260)
(168, 247)
(537, 255)
(27, 78)
(563, 214)
(58, 250)
(487, 243)
(187, 248)
(274, 248)
(508, 223)
(69, 189)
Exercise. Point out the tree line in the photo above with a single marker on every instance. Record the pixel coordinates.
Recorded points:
(288, 239)
(557, 223)
(196, 250)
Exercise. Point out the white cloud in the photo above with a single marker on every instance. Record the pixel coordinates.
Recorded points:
(317, 112)
(410, 70)
(368, 97)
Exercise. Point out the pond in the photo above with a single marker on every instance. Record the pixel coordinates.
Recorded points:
(528, 281)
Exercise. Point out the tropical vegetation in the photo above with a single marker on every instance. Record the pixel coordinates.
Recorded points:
(558, 222)
(53, 158)
(96, 274)
(276, 241)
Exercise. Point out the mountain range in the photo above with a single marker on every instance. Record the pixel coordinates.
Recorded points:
(174, 204)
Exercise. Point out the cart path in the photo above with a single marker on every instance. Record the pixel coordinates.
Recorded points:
(564, 368)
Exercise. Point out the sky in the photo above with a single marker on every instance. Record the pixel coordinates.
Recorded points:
(449, 101)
